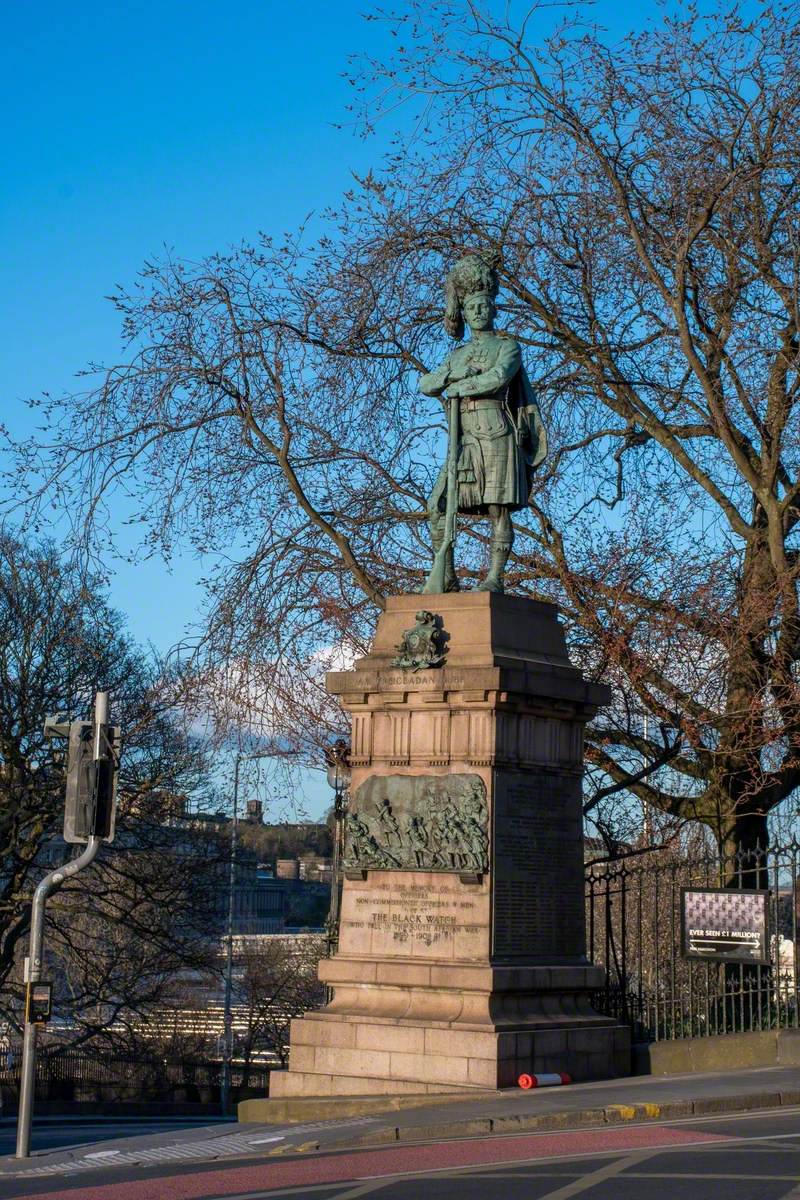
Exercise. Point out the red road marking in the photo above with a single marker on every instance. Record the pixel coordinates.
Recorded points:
(394, 1160)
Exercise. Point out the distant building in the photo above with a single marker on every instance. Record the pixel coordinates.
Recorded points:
(199, 1008)
(254, 812)
(314, 868)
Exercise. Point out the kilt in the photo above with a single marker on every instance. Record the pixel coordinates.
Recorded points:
(491, 466)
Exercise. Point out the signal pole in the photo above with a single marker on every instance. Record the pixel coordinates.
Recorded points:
(93, 795)
(51, 883)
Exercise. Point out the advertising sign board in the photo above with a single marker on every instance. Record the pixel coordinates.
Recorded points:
(724, 925)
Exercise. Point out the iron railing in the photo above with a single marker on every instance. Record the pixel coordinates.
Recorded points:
(71, 1075)
(633, 912)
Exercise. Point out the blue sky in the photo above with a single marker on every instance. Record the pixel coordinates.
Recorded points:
(133, 126)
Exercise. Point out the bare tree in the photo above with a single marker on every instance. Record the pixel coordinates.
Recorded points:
(641, 201)
(123, 939)
(276, 980)
(118, 934)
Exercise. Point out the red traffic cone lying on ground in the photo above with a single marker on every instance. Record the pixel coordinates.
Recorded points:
(544, 1080)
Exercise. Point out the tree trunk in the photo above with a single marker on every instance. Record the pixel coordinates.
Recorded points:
(743, 846)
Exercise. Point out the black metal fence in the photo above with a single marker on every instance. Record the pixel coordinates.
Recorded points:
(634, 914)
(72, 1076)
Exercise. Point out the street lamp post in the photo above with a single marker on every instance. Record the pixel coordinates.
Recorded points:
(227, 1038)
(338, 757)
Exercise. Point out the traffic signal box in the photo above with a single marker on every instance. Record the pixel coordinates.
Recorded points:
(91, 786)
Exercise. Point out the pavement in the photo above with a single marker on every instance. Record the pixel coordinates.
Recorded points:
(62, 1132)
(622, 1117)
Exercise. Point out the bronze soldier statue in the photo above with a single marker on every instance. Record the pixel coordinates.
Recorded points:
(497, 438)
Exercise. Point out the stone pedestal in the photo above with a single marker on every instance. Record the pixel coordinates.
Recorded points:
(461, 959)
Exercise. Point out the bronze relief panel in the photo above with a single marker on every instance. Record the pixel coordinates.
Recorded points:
(418, 823)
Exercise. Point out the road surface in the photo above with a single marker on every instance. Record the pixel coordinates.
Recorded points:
(755, 1156)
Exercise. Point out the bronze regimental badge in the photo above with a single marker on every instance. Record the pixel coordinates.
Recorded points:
(422, 646)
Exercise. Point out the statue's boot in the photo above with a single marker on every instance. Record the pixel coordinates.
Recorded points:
(451, 583)
(497, 567)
